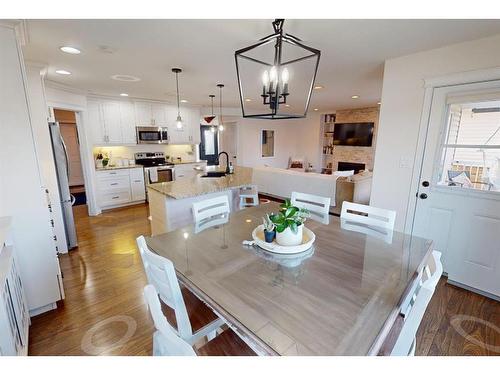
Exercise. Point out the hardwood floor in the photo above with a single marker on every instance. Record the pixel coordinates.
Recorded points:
(104, 312)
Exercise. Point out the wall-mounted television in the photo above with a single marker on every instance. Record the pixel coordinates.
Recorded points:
(353, 134)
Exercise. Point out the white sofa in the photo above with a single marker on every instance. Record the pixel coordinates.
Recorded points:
(280, 183)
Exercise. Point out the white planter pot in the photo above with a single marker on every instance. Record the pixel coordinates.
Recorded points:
(288, 238)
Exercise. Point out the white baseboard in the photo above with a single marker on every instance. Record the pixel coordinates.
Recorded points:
(41, 310)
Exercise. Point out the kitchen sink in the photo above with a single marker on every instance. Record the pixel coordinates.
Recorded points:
(214, 174)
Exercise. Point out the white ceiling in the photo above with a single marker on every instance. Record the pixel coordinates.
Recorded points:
(353, 53)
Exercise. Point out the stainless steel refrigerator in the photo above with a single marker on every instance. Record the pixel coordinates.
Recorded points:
(62, 168)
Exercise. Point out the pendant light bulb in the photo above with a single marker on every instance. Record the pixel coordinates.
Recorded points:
(265, 78)
(285, 76)
(221, 128)
(178, 123)
(212, 129)
(273, 74)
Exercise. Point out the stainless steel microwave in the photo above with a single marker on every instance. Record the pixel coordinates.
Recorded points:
(151, 134)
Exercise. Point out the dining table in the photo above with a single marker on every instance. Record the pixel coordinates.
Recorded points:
(342, 296)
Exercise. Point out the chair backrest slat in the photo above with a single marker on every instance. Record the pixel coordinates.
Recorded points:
(368, 215)
(166, 341)
(420, 298)
(161, 274)
(317, 205)
(211, 207)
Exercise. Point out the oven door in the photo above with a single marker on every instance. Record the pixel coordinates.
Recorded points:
(164, 175)
(148, 134)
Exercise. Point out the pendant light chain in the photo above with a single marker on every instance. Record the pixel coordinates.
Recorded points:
(179, 123)
(221, 124)
(178, 97)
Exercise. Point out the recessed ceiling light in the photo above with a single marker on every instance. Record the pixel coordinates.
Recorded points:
(355, 97)
(123, 94)
(70, 50)
(63, 72)
(319, 87)
(125, 78)
(184, 101)
(316, 109)
(379, 103)
(248, 100)
(287, 105)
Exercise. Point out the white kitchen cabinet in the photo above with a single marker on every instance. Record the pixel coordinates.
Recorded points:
(127, 117)
(95, 123)
(190, 133)
(143, 115)
(112, 122)
(159, 114)
(150, 114)
(120, 187)
(137, 187)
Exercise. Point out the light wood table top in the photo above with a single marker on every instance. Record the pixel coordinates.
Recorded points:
(342, 298)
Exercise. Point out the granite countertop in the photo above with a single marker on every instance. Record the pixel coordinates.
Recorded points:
(119, 167)
(191, 187)
(189, 162)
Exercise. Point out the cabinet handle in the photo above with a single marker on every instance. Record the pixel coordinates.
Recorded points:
(114, 183)
(115, 197)
(112, 172)
(137, 181)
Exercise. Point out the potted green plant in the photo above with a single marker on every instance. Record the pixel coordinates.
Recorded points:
(289, 224)
(269, 232)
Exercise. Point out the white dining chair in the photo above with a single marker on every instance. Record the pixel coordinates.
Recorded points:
(161, 274)
(368, 215)
(249, 196)
(165, 339)
(414, 306)
(211, 207)
(318, 206)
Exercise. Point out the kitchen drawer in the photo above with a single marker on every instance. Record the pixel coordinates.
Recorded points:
(115, 183)
(114, 198)
(112, 173)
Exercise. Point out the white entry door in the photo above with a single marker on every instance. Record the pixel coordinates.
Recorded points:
(458, 199)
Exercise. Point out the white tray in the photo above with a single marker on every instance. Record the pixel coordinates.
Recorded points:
(308, 238)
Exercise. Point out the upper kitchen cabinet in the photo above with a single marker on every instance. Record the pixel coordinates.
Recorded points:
(127, 117)
(112, 122)
(150, 114)
(190, 133)
(95, 126)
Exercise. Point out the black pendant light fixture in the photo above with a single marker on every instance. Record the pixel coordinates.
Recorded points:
(276, 76)
(221, 122)
(178, 123)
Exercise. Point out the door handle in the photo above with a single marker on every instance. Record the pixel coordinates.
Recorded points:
(423, 196)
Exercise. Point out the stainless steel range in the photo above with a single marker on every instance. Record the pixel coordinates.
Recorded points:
(156, 167)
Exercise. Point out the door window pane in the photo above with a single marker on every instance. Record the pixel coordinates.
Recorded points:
(209, 142)
(471, 151)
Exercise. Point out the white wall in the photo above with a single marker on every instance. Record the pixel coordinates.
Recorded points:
(20, 181)
(401, 110)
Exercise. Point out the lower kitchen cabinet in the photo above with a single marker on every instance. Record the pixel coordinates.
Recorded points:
(120, 187)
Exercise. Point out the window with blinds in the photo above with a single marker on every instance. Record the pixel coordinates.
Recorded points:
(471, 146)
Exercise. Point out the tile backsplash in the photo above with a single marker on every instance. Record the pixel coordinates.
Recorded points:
(185, 152)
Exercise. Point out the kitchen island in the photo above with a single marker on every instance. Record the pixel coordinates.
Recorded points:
(170, 202)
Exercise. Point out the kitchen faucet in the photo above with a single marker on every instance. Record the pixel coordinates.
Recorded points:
(227, 160)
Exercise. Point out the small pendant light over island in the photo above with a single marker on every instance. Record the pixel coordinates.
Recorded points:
(178, 123)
